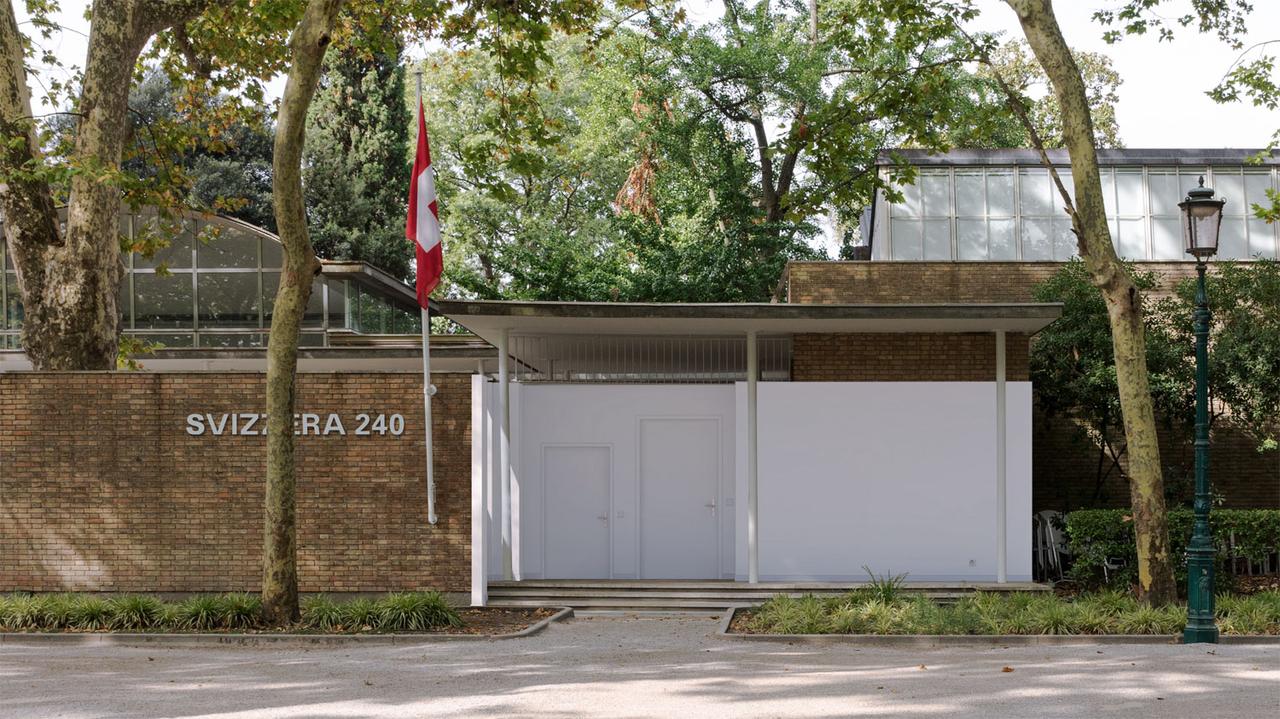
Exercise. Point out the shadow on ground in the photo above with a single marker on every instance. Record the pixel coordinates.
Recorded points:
(626, 668)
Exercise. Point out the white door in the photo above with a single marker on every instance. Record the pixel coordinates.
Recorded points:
(679, 498)
(577, 481)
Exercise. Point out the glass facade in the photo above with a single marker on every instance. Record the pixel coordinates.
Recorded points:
(214, 286)
(992, 213)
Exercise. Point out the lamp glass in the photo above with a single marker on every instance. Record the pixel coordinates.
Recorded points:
(1203, 221)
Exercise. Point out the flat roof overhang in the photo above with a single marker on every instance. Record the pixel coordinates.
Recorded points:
(371, 277)
(487, 318)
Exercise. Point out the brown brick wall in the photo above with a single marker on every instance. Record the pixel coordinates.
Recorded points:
(905, 357)
(1065, 469)
(941, 282)
(101, 487)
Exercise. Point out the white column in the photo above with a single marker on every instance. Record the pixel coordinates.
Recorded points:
(481, 431)
(1002, 508)
(428, 391)
(753, 488)
(504, 451)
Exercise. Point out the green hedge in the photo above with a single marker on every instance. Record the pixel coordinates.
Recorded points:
(1095, 536)
(403, 612)
(1110, 612)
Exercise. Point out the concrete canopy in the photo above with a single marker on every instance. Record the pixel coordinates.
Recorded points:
(487, 319)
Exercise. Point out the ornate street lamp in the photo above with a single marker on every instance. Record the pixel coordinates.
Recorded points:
(1201, 220)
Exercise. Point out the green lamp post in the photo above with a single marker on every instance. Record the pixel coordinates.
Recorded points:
(1201, 220)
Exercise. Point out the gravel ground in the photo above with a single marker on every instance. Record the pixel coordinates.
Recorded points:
(625, 667)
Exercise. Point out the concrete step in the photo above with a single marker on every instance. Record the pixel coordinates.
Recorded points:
(730, 585)
(714, 595)
(647, 604)
(721, 601)
(684, 593)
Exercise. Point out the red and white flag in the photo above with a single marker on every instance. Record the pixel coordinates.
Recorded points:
(423, 225)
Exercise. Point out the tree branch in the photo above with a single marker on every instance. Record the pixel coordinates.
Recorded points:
(1020, 109)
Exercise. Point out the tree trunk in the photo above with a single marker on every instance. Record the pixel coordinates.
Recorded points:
(70, 279)
(1124, 305)
(279, 551)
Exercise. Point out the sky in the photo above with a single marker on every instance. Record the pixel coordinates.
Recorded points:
(1162, 100)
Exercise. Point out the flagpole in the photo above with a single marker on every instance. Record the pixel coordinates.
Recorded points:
(427, 389)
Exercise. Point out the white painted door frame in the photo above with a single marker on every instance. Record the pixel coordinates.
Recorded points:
(722, 491)
(609, 491)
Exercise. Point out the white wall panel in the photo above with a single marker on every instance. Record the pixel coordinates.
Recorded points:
(548, 415)
(897, 476)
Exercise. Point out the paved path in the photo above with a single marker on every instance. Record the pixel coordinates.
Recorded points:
(621, 668)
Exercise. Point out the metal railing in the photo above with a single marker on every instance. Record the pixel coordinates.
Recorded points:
(640, 359)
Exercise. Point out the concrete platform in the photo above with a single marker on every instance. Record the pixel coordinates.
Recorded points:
(713, 594)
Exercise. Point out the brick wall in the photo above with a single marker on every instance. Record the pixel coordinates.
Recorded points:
(102, 488)
(905, 357)
(942, 282)
(1065, 468)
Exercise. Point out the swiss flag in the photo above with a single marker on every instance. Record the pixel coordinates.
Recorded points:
(423, 224)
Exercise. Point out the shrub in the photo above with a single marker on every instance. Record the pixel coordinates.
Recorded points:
(1051, 615)
(1168, 619)
(410, 611)
(321, 612)
(883, 618)
(416, 611)
(882, 587)
(359, 614)
(133, 611)
(90, 613)
(23, 611)
(167, 617)
(1258, 614)
(1096, 536)
(784, 614)
(990, 613)
(848, 619)
(240, 610)
(1110, 603)
(58, 611)
(1092, 618)
(203, 611)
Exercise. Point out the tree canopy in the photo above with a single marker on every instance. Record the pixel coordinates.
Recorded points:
(1073, 363)
(355, 168)
(674, 161)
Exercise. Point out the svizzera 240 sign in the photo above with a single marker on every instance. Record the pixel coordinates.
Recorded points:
(305, 424)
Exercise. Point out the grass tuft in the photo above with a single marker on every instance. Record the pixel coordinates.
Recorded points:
(1169, 619)
(91, 613)
(886, 588)
(133, 612)
(416, 611)
(203, 611)
(865, 612)
(240, 610)
(406, 611)
(360, 614)
(321, 612)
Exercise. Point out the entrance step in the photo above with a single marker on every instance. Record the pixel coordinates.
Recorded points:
(657, 595)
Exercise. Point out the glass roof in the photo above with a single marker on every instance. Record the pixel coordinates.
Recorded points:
(967, 211)
(214, 285)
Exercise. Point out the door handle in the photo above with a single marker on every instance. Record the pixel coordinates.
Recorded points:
(603, 518)
(712, 506)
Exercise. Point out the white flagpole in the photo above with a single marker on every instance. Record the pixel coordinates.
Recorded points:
(427, 389)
